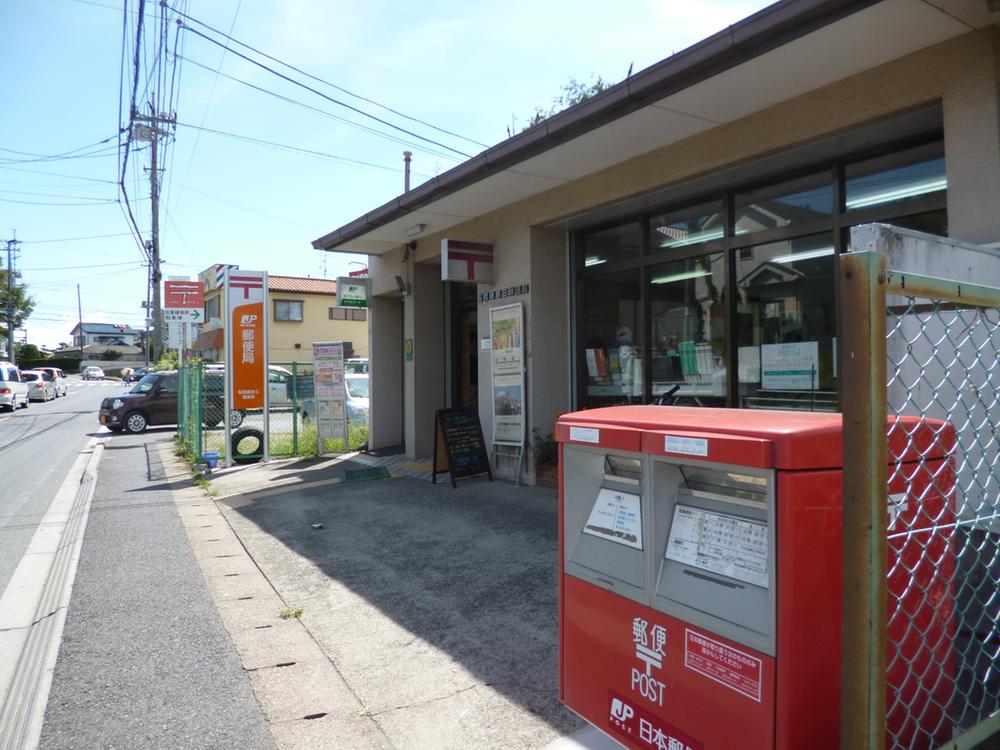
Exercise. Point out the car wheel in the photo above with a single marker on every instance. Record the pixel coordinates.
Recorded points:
(115, 428)
(25, 402)
(135, 422)
(236, 418)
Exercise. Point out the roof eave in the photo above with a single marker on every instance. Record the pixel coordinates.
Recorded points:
(769, 28)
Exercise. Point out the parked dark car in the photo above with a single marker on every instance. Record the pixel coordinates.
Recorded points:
(153, 401)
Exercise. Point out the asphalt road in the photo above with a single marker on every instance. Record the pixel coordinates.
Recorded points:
(37, 447)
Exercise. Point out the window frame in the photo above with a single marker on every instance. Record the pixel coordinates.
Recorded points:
(289, 302)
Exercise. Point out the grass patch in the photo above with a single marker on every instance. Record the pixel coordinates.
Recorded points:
(290, 614)
(304, 446)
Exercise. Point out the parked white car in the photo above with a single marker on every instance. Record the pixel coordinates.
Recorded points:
(13, 389)
(41, 385)
(59, 378)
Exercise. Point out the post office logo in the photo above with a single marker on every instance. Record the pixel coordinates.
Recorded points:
(650, 648)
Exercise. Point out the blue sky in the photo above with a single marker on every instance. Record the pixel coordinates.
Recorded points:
(474, 69)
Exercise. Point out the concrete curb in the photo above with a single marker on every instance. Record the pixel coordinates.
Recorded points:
(54, 552)
(305, 700)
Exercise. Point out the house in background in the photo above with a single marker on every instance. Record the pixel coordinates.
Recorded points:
(301, 310)
(111, 334)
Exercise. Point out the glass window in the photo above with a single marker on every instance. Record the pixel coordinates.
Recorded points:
(931, 222)
(687, 312)
(688, 226)
(786, 355)
(896, 177)
(619, 242)
(169, 384)
(792, 202)
(612, 340)
(287, 309)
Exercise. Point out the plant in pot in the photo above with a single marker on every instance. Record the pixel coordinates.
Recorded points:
(545, 452)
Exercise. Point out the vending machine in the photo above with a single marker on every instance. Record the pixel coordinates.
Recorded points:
(700, 598)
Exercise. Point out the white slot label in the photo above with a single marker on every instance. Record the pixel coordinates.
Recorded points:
(687, 446)
(584, 434)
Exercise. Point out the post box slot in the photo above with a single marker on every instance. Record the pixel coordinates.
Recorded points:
(604, 517)
(714, 539)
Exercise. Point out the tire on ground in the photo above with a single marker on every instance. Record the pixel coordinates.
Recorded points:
(247, 446)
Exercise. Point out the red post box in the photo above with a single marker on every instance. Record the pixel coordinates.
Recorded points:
(700, 599)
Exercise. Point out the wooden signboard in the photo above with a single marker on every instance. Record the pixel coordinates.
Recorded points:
(459, 448)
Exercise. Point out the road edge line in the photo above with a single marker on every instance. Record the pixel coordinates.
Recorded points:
(23, 711)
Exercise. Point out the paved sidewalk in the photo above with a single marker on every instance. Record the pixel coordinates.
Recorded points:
(144, 660)
(430, 613)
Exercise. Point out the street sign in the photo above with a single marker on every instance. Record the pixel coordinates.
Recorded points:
(183, 315)
(183, 295)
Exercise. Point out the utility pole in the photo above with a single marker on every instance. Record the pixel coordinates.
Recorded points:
(11, 251)
(79, 312)
(150, 130)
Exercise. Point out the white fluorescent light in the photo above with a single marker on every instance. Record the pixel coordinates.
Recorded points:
(691, 239)
(807, 255)
(680, 277)
(414, 230)
(594, 260)
(909, 191)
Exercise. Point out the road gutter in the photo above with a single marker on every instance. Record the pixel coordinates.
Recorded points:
(34, 605)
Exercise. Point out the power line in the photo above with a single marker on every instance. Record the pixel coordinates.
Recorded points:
(344, 120)
(328, 98)
(76, 268)
(75, 239)
(286, 147)
(320, 80)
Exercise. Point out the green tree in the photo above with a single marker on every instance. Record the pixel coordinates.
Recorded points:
(573, 93)
(27, 352)
(23, 303)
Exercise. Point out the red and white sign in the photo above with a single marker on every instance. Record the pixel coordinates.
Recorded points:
(183, 295)
(246, 356)
(631, 721)
(466, 261)
(735, 669)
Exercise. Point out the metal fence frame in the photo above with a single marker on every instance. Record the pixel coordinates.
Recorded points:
(864, 284)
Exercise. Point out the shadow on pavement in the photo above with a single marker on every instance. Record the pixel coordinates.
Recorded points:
(470, 572)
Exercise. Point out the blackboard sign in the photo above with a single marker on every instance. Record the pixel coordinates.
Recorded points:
(459, 448)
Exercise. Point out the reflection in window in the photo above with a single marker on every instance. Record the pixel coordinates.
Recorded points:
(896, 177)
(786, 356)
(687, 226)
(687, 311)
(793, 202)
(612, 339)
(623, 241)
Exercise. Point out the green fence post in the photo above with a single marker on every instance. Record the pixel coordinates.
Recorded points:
(198, 381)
(295, 408)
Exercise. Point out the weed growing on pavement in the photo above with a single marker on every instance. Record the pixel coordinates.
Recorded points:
(290, 614)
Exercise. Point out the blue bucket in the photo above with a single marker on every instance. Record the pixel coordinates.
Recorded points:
(211, 459)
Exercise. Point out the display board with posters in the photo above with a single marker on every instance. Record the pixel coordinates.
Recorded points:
(507, 356)
(329, 391)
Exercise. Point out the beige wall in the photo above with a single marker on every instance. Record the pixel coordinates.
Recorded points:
(962, 74)
(385, 367)
(314, 326)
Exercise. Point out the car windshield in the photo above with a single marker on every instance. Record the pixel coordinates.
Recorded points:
(146, 384)
(357, 387)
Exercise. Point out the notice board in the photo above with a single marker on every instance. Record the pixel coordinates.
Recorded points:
(459, 448)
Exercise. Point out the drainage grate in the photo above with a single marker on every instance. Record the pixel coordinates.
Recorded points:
(365, 475)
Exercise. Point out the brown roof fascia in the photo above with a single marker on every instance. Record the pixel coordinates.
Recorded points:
(762, 32)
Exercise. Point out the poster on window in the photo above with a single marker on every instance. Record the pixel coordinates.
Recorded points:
(246, 356)
(790, 367)
(507, 356)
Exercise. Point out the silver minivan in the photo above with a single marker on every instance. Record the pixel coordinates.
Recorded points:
(13, 389)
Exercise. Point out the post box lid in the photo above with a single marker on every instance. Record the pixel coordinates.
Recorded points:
(800, 440)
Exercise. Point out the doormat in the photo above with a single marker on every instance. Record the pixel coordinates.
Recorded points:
(365, 475)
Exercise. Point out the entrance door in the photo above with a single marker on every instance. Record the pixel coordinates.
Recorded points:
(464, 349)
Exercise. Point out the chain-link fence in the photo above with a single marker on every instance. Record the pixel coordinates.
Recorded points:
(940, 540)
(291, 416)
